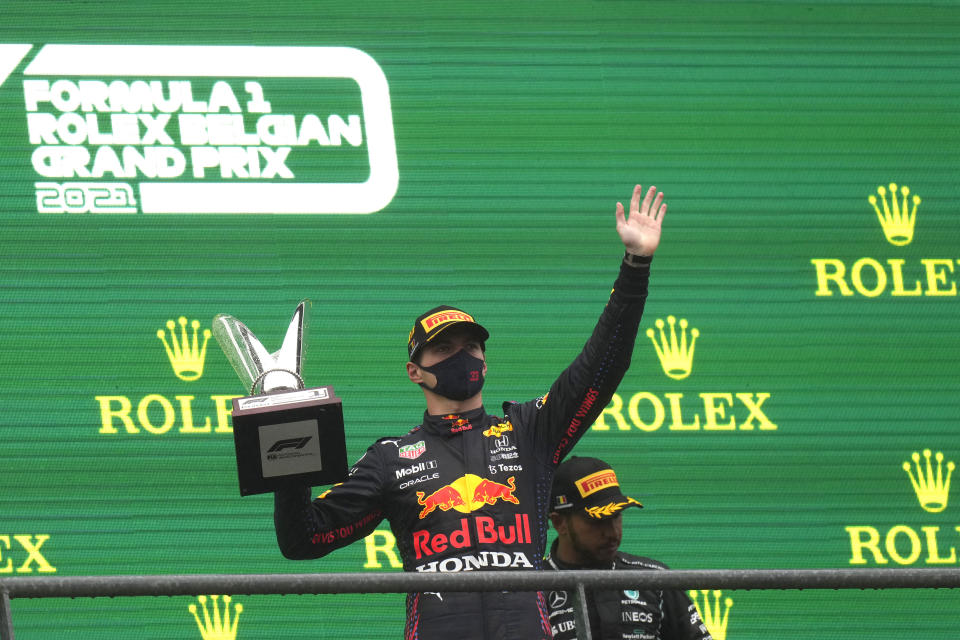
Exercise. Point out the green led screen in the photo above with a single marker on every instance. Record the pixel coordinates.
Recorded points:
(166, 162)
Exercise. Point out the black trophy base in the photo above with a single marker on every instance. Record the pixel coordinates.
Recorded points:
(289, 439)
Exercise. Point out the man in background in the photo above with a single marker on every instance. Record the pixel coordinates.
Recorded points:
(586, 508)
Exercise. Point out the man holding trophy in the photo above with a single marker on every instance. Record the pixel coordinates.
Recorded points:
(467, 490)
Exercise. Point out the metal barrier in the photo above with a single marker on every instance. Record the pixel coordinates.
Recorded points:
(578, 581)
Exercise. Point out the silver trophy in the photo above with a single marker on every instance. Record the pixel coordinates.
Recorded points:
(285, 434)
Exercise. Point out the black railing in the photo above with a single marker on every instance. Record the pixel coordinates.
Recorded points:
(575, 581)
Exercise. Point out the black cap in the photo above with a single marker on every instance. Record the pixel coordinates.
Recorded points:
(436, 321)
(588, 484)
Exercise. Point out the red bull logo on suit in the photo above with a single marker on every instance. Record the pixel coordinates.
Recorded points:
(466, 494)
(479, 530)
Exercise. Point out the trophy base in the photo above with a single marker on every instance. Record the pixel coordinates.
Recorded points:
(289, 439)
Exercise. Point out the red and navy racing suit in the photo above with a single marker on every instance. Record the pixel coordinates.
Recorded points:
(629, 614)
(470, 491)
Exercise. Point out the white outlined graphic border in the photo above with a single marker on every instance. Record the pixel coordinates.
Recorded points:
(250, 62)
(10, 57)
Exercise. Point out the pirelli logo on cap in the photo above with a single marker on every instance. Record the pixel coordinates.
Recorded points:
(442, 317)
(596, 481)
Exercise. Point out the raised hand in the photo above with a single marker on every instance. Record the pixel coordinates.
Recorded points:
(640, 232)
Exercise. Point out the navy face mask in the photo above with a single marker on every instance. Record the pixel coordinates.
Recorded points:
(458, 377)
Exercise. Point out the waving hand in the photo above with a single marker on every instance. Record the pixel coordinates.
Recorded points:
(640, 232)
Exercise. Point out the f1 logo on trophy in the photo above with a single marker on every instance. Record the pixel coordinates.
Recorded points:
(285, 435)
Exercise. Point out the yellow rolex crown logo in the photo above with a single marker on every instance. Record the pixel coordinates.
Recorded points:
(715, 617)
(216, 625)
(676, 357)
(897, 218)
(185, 352)
(931, 487)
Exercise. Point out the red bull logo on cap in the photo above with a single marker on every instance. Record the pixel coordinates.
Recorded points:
(466, 494)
